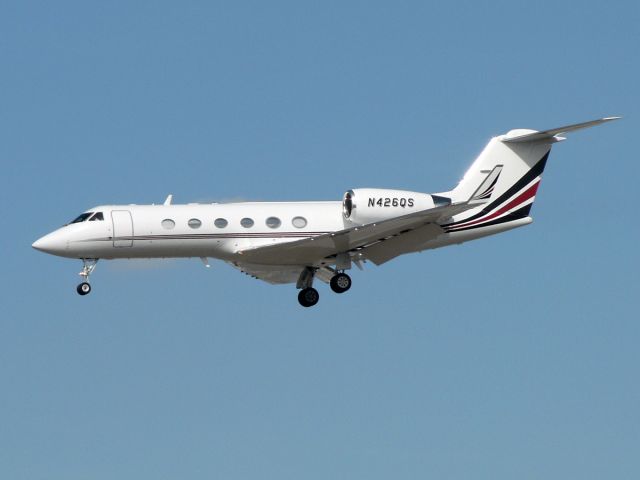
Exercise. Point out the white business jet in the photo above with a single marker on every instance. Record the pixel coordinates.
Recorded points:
(298, 242)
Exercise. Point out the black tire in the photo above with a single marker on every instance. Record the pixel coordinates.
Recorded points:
(308, 297)
(84, 288)
(340, 282)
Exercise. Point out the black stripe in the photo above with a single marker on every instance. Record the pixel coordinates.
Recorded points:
(230, 235)
(515, 215)
(207, 236)
(243, 234)
(536, 170)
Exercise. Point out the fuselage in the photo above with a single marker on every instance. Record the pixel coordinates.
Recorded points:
(219, 230)
(191, 230)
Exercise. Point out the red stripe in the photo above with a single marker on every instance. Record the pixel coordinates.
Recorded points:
(523, 197)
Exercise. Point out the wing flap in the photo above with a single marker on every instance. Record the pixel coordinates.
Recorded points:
(411, 241)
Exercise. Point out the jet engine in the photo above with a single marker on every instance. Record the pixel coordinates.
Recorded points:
(367, 205)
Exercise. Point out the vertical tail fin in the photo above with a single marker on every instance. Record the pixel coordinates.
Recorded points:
(499, 167)
(506, 175)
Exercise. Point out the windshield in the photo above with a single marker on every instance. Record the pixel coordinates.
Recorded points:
(82, 218)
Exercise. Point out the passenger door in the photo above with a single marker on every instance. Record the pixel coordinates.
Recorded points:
(122, 228)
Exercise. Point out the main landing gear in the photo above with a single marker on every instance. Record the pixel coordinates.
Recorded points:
(309, 296)
(88, 265)
(340, 282)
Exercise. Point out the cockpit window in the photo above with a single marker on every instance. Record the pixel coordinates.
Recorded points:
(83, 217)
(97, 216)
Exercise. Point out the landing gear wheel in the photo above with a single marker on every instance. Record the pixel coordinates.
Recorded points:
(308, 297)
(340, 282)
(84, 288)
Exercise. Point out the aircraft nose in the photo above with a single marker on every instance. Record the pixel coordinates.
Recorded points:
(52, 243)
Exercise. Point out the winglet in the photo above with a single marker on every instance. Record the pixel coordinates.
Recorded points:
(168, 200)
(517, 136)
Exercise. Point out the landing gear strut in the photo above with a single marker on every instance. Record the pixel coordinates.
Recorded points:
(88, 265)
(340, 282)
(308, 295)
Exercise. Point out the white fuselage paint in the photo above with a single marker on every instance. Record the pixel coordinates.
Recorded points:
(146, 237)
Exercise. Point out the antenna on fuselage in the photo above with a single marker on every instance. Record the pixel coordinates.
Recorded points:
(168, 200)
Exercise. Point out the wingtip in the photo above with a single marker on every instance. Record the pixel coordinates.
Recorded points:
(608, 119)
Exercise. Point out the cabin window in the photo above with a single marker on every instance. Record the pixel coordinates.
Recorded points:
(82, 217)
(246, 222)
(194, 223)
(168, 224)
(299, 222)
(98, 216)
(273, 222)
(221, 222)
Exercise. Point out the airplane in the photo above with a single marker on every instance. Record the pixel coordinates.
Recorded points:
(298, 242)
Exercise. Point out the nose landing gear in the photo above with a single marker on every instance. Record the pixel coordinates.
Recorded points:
(84, 288)
(88, 265)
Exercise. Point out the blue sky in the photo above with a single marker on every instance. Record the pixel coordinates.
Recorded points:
(513, 356)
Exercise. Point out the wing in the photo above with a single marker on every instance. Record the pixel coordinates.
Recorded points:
(402, 233)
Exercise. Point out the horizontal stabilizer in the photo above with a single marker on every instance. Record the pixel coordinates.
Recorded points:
(549, 134)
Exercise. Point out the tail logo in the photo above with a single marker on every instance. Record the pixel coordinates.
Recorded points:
(513, 204)
(485, 189)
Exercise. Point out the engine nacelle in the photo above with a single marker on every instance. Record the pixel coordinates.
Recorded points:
(366, 205)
